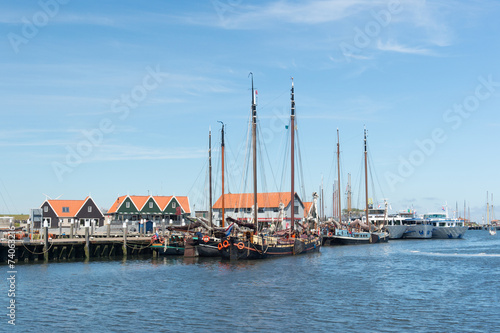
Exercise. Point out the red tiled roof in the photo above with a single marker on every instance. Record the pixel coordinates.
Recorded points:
(245, 200)
(163, 201)
(307, 207)
(73, 206)
(184, 202)
(116, 204)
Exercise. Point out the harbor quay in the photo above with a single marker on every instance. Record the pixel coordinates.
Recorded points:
(52, 247)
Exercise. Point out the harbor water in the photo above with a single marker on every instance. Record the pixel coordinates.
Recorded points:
(403, 285)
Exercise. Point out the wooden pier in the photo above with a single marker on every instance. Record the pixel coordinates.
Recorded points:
(26, 250)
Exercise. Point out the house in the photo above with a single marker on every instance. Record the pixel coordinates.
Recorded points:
(239, 206)
(65, 211)
(149, 207)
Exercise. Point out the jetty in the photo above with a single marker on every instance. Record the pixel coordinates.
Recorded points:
(48, 246)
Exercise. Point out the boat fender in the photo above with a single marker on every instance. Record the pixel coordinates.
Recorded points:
(206, 238)
(241, 246)
(225, 243)
(219, 246)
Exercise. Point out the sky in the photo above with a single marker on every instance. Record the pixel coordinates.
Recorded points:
(107, 98)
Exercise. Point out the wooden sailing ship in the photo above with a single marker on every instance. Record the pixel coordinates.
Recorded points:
(253, 243)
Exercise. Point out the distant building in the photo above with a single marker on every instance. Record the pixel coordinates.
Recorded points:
(6, 221)
(149, 207)
(78, 211)
(239, 206)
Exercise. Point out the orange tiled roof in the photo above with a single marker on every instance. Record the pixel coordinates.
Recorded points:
(184, 202)
(139, 200)
(73, 207)
(245, 200)
(163, 201)
(116, 204)
(307, 207)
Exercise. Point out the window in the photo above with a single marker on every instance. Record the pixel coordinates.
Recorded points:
(275, 209)
(150, 205)
(65, 209)
(236, 210)
(127, 205)
(249, 210)
(90, 209)
(46, 209)
(296, 209)
(173, 204)
(261, 210)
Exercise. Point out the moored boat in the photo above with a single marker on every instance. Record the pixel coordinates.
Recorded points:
(444, 227)
(254, 243)
(417, 228)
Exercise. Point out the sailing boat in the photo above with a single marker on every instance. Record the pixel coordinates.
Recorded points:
(206, 244)
(491, 229)
(256, 244)
(354, 232)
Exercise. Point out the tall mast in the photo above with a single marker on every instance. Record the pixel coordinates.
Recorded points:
(465, 210)
(349, 195)
(222, 157)
(338, 175)
(366, 184)
(210, 175)
(322, 212)
(254, 144)
(292, 140)
(487, 209)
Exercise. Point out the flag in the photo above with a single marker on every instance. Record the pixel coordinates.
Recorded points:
(229, 229)
(443, 208)
(256, 93)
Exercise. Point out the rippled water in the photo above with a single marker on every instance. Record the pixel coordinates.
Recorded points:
(407, 285)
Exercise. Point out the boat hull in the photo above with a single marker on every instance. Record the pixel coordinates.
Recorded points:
(248, 250)
(169, 250)
(396, 231)
(419, 231)
(209, 249)
(343, 237)
(448, 232)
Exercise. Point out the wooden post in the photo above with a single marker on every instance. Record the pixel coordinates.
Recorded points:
(163, 228)
(72, 223)
(87, 243)
(125, 238)
(60, 228)
(46, 241)
(109, 228)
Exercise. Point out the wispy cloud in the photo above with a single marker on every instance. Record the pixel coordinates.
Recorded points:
(257, 17)
(392, 46)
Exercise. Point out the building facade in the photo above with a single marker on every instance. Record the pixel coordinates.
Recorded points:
(133, 208)
(66, 211)
(240, 206)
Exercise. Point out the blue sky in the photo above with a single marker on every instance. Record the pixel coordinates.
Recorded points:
(114, 97)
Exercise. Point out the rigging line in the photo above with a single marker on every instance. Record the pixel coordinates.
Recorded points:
(360, 178)
(286, 152)
(300, 168)
(246, 164)
(270, 167)
(13, 206)
(272, 101)
(376, 175)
